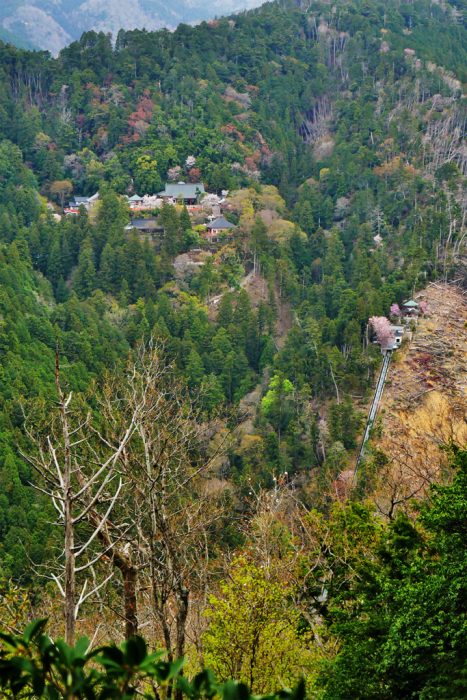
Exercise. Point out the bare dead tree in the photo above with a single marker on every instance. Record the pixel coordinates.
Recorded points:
(168, 465)
(130, 489)
(83, 484)
(267, 529)
(400, 481)
(446, 137)
(167, 504)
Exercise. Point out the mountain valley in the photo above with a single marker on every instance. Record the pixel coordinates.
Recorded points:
(215, 239)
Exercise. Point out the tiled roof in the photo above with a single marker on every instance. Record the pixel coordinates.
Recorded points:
(183, 190)
(220, 223)
(144, 224)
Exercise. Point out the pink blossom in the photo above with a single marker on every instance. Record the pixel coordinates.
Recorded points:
(383, 330)
(423, 306)
(173, 174)
(395, 310)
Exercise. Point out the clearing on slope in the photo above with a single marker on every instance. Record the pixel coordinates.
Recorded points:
(424, 405)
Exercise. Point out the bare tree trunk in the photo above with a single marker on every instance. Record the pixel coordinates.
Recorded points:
(130, 601)
(335, 384)
(70, 574)
(130, 584)
(181, 628)
(79, 480)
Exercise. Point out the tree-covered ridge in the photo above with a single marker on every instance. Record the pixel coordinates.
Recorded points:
(52, 24)
(162, 96)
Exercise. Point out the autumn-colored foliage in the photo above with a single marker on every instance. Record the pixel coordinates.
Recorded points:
(139, 120)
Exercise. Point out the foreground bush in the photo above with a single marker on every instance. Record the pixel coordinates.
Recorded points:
(34, 666)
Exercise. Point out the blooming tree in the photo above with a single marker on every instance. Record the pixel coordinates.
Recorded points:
(190, 162)
(383, 330)
(423, 306)
(174, 174)
(395, 310)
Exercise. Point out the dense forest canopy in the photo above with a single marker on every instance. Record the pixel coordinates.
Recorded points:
(338, 132)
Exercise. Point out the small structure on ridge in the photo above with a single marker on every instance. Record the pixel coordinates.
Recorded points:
(217, 228)
(410, 309)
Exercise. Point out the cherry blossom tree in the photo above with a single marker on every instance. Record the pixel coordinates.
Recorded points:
(174, 174)
(423, 306)
(190, 162)
(383, 330)
(395, 310)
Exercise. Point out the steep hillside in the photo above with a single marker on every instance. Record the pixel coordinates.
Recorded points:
(424, 405)
(340, 129)
(282, 95)
(337, 131)
(185, 351)
(28, 323)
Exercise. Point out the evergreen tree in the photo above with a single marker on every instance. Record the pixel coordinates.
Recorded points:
(84, 280)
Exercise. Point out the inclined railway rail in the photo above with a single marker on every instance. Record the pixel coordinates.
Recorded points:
(374, 406)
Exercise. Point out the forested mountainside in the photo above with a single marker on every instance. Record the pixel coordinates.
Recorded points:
(51, 24)
(219, 381)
